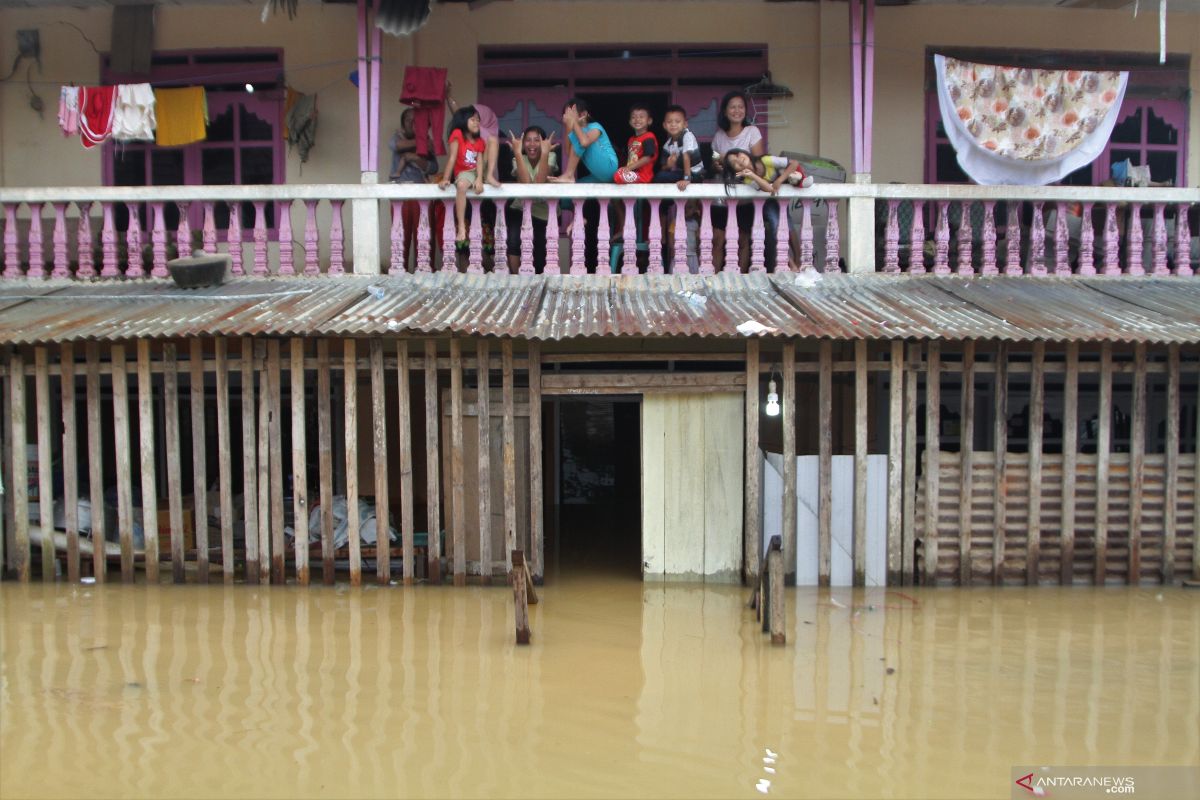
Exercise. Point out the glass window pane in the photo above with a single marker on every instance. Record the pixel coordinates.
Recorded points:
(1158, 131)
(258, 166)
(220, 127)
(217, 165)
(166, 167)
(1129, 129)
(1163, 166)
(129, 166)
(254, 127)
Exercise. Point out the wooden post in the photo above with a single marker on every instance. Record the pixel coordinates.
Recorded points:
(966, 449)
(1103, 449)
(1070, 449)
(1196, 503)
(510, 454)
(41, 363)
(95, 460)
(265, 467)
(1037, 417)
(224, 464)
(908, 548)
(406, 485)
(457, 487)
(70, 453)
(120, 395)
(895, 512)
(752, 526)
(1171, 479)
(789, 465)
(824, 465)
(199, 462)
(1137, 464)
(299, 462)
(1000, 453)
(20, 466)
(174, 477)
(145, 447)
(777, 610)
(275, 439)
(859, 546)
(350, 389)
(484, 420)
(249, 461)
(933, 446)
(535, 458)
(325, 459)
(383, 542)
(432, 493)
(520, 584)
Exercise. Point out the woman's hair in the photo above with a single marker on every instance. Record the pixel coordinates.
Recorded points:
(728, 174)
(538, 129)
(722, 120)
(580, 105)
(459, 121)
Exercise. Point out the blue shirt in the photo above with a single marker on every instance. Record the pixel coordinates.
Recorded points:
(599, 157)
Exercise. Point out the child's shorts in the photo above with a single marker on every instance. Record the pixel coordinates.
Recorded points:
(627, 176)
(469, 174)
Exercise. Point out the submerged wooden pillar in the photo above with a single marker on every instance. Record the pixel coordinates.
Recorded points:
(199, 463)
(933, 399)
(510, 454)
(432, 484)
(325, 458)
(1103, 449)
(458, 510)
(174, 478)
(859, 546)
(249, 461)
(41, 375)
(776, 610)
(535, 460)
(224, 466)
(70, 451)
(789, 460)
(1070, 453)
(825, 464)
(22, 553)
(264, 464)
(299, 461)
(966, 451)
(908, 547)
(1037, 418)
(1000, 465)
(520, 584)
(96, 464)
(383, 544)
(406, 479)
(752, 516)
(350, 392)
(1171, 479)
(895, 467)
(483, 419)
(1137, 464)
(120, 396)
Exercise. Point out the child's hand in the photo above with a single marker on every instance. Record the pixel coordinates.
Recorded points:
(561, 179)
(683, 185)
(570, 116)
(443, 183)
(548, 144)
(745, 173)
(514, 142)
(478, 186)
(671, 160)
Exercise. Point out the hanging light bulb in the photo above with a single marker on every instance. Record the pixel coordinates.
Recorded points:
(772, 400)
(249, 88)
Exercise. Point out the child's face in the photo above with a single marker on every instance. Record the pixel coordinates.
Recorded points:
(532, 146)
(639, 120)
(738, 161)
(735, 110)
(473, 124)
(674, 123)
(406, 123)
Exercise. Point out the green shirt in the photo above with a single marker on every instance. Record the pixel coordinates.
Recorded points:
(540, 209)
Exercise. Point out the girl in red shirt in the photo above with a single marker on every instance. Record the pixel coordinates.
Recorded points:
(464, 164)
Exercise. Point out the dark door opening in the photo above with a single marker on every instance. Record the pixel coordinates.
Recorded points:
(597, 467)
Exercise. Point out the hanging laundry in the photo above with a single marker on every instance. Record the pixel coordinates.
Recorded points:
(301, 124)
(182, 115)
(290, 96)
(96, 105)
(425, 91)
(68, 110)
(1030, 127)
(133, 117)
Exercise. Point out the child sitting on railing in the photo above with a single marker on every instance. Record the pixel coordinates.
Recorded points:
(767, 174)
(465, 164)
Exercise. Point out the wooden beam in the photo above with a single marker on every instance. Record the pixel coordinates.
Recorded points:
(859, 546)
(1037, 419)
(933, 446)
(22, 553)
(674, 382)
(824, 465)
(383, 567)
(174, 469)
(296, 389)
(120, 395)
(1137, 464)
(406, 478)
(966, 451)
(199, 461)
(1196, 500)
(350, 390)
(1171, 478)
(224, 464)
(1103, 450)
(95, 460)
(908, 546)
(45, 456)
(325, 458)
(432, 484)
(1000, 468)
(275, 439)
(535, 461)
(789, 461)
(457, 487)
(778, 610)
(70, 451)
(484, 420)
(895, 476)
(1070, 449)
(510, 454)
(265, 467)
(752, 526)
(249, 461)
(520, 598)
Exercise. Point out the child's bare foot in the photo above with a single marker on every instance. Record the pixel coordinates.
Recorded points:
(561, 179)
(491, 181)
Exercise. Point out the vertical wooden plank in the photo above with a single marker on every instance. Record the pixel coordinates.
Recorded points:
(1103, 449)
(70, 451)
(1070, 449)
(895, 477)
(789, 461)
(1137, 464)
(1171, 479)
(824, 465)
(199, 457)
(383, 566)
(432, 493)
(860, 463)
(249, 462)
(406, 480)
(41, 379)
(95, 460)
(275, 436)
(1037, 417)
(510, 453)
(933, 446)
(350, 387)
(458, 511)
(908, 547)
(1196, 502)
(1000, 453)
(520, 583)
(296, 389)
(484, 420)
(966, 451)
(325, 459)
(120, 395)
(537, 562)
(145, 446)
(19, 477)
(224, 466)
(778, 610)
(174, 470)
(719, 443)
(752, 526)
(265, 466)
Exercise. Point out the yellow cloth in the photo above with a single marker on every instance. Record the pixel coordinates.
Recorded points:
(182, 115)
(290, 99)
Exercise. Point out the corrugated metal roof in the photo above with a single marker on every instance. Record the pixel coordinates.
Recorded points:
(552, 308)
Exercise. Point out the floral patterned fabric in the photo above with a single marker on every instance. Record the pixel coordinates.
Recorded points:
(1028, 126)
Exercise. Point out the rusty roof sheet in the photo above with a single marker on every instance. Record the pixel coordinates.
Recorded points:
(552, 308)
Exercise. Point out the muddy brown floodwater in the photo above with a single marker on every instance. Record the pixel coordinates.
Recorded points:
(628, 689)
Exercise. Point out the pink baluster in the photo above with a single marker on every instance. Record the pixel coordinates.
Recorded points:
(1037, 242)
(86, 260)
(629, 237)
(62, 264)
(833, 239)
(1062, 241)
(1012, 232)
(989, 237)
(916, 242)
(1135, 240)
(12, 249)
(133, 243)
(475, 260)
(396, 264)
(706, 238)
(1183, 241)
(1160, 241)
(337, 240)
(578, 265)
(233, 237)
(1112, 243)
(806, 235)
(208, 235)
(966, 234)
(941, 240)
(891, 239)
(758, 237)
(783, 234)
(654, 266)
(108, 243)
(603, 239)
(260, 238)
(183, 234)
(500, 241)
(424, 238)
(312, 240)
(37, 256)
(1087, 243)
(733, 238)
(527, 266)
(679, 265)
(449, 253)
(158, 241)
(552, 267)
(287, 252)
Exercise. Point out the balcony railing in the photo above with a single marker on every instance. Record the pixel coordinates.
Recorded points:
(115, 232)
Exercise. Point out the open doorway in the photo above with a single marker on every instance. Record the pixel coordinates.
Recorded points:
(611, 109)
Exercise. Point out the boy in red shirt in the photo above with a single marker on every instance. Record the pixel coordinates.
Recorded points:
(641, 151)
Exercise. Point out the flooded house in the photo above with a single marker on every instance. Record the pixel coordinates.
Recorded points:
(916, 379)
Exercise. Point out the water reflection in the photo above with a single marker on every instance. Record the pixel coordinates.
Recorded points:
(627, 689)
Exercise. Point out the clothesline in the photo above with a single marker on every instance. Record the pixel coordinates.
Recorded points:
(133, 112)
